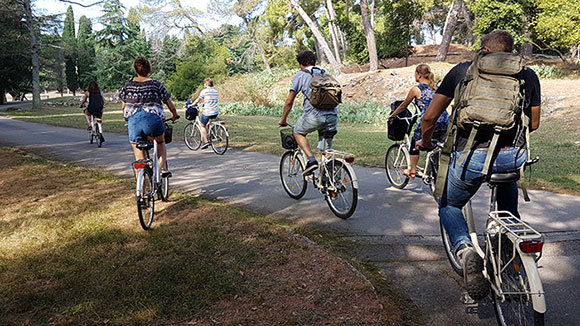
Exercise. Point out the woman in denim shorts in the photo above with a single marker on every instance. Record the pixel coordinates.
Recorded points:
(142, 102)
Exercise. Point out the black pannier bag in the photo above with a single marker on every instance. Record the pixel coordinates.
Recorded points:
(397, 128)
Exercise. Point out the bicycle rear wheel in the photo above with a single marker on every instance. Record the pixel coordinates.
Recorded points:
(91, 137)
(219, 139)
(192, 136)
(449, 251)
(517, 308)
(98, 139)
(146, 201)
(395, 161)
(291, 175)
(343, 199)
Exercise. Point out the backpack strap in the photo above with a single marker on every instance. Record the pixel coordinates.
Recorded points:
(445, 157)
(469, 144)
(490, 151)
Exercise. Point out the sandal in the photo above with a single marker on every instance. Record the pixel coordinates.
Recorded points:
(408, 173)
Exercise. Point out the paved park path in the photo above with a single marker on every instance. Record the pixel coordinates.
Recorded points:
(397, 230)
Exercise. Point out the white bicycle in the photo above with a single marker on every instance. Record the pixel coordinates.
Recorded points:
(511, 252)
(96, 132)
(217, 135)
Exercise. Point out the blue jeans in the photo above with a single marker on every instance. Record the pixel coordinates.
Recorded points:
(308, 123)
(143, 124)
(464, 181)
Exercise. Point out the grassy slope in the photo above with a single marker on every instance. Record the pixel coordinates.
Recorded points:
(554, 142)
(72, 252)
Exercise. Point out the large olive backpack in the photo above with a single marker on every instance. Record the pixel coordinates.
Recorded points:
(326, 93)
(488, 100)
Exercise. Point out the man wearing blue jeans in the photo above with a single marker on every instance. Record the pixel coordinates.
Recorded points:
(464, 179)
(313, 119)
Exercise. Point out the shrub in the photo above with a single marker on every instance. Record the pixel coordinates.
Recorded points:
(548, 72)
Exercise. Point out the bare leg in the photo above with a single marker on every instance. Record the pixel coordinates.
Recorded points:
(414, 161)
(139, 154)
(88, 118)
(161, 151)
(204, 134)
(303, 144)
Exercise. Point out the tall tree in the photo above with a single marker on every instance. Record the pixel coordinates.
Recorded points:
(449, 29)
(171, 15)
(86, 52)
(370, 35)
(30, 24)
(69, 42)
(318, 35)
(333, 30)
(557, 25)
(15, 57)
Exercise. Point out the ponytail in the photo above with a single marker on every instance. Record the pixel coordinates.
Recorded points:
(425, 71)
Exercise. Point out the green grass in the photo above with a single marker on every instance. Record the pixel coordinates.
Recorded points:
(555, 142)
(72, 252)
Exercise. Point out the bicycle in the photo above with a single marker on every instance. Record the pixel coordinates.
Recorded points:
(96, 132)
(397, 159)
(217, 135)
(150, 183)
(511, 251)
(335, 179)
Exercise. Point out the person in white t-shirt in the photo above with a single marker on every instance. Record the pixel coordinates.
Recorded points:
(209, 98)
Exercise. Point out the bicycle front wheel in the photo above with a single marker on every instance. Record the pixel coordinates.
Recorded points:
(219, 139)
(449, 251)
(146, 200)
(91, 135)
(164, 193)
(291, 175)
(342, 196)
(192, 136)
(397, 160)
(516, 308)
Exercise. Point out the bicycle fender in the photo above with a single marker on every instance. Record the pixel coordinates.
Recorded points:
(351, 170)
(538, 300)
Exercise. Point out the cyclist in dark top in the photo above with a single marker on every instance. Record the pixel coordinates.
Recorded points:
(464, 180)
(96, 102)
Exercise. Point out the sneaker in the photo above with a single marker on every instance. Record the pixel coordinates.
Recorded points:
(89, 128)
(166, 174)
(204, 146)
(475, 283)
(102, 138)
(310, 167)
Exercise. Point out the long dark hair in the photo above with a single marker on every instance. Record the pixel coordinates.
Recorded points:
(93, 87)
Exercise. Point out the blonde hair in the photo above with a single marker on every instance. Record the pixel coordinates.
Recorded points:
(425, 71)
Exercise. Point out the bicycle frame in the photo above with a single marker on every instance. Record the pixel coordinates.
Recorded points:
(96, 125)
(505, 224)
(154, 165)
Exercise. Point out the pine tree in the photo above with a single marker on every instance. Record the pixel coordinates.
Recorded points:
(86, 52)
(70, 51)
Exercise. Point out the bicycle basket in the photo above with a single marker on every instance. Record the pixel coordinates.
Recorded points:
(288, 141)
(397, 128)
(168, 133)
(191, 113)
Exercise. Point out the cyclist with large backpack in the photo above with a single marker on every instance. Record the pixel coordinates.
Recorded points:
(321, 98)
(497, 103)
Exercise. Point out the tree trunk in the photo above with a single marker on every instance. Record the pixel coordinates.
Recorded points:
(469, 24)
(450, 25)
(318, 35)
(527, 48)
(34, 52)
(370, 35)
(263, 55)
(333, 29)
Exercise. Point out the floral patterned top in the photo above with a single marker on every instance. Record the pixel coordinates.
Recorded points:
(423, 103)
(148, 95)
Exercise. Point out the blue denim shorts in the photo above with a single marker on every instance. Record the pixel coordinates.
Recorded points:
(308, 123)
(143, 124)
(204, 119)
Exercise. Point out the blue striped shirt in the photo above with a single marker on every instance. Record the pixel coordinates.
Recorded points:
(209, 96)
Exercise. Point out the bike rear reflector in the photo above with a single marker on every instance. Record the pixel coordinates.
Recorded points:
(223, 123)
(350, 159)
(529, 247)
(138, 165)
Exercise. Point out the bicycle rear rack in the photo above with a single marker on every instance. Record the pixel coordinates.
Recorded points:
(504, 224)
(339, 153)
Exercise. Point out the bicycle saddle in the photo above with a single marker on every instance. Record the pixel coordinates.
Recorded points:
(145, 146)
(506, 177)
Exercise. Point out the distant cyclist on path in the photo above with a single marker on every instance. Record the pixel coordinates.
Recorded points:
(96, 103)
(209, 98)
